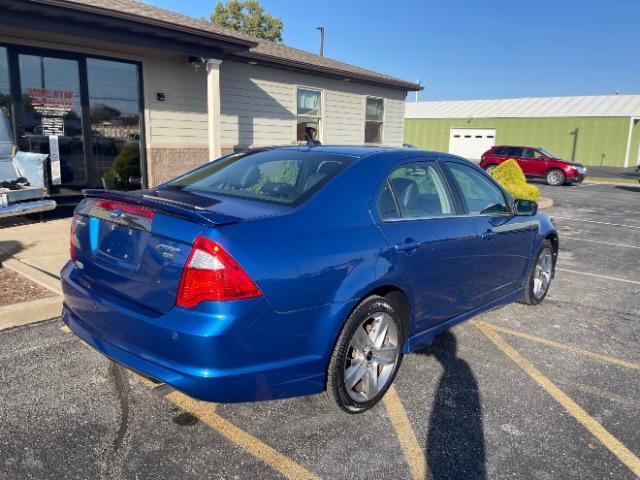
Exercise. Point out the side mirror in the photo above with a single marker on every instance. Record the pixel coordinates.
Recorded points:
(526, 208)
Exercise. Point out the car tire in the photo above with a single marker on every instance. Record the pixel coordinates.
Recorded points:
(555, 177)
(490, 168)
(540, 275)
(356, 381)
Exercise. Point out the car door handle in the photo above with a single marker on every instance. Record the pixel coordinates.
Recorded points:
(408, 246)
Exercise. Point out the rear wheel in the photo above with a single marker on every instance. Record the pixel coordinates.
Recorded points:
(555, 177)
(540, 276)
(490, 168)
(366, 357)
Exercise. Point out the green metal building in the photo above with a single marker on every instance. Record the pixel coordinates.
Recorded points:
(595, 130)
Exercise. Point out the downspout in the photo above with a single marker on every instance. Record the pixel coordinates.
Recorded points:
(628, 151)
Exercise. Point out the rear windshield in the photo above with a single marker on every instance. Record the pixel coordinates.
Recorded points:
(279, 176)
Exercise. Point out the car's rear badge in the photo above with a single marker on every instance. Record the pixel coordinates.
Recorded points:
(167, 251)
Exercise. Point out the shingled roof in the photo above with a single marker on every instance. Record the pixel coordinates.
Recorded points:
(255, 49)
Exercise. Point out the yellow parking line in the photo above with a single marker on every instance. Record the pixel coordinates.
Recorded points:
(412, 451)
(206, 413)
(65, 329)
(597, 430)
(562, 346)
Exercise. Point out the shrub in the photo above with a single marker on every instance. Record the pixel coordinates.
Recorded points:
(510, 176)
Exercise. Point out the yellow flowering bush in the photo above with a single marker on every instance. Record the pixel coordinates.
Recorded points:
(510, 176)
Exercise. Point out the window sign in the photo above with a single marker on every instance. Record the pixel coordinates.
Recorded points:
(54, 156)
(53, 126)
(53, 103)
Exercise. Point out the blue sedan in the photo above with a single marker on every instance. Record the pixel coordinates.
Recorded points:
(291, 271)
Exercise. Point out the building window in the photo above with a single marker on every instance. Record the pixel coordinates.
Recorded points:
(309, 112)
(374, 121)
(114, 102)
(6, 134)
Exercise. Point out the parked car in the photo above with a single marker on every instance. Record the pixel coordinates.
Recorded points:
(290, 271)
(536, 163)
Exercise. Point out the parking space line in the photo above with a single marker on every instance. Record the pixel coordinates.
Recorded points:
(614, 445)
(562, 346)
(569, 237)
(413, 453)
(606, 277)
(595, 221)
(206, 413)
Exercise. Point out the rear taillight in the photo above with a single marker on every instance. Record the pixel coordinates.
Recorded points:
(72, 240)
(211, 274)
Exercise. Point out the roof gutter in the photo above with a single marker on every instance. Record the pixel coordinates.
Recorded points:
(332, 72)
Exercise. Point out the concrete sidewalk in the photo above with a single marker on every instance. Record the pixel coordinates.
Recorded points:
(38, 251)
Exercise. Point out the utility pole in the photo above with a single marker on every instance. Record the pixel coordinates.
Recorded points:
(418, 82)
(321, 40)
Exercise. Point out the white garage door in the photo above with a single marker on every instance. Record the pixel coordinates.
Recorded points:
(471, 143)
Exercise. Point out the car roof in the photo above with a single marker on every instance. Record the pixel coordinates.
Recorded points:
(359, 151)
(514, 146)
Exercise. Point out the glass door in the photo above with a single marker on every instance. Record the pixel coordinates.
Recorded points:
(115, 116)
(51, 118)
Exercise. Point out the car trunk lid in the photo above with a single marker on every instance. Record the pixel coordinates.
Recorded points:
(134, 246)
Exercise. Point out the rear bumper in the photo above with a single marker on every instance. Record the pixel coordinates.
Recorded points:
(214, 357)
(23, 208)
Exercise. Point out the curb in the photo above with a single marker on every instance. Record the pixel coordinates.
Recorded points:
(545, 203)
(30, 312)
(618, 182)
(41, 278)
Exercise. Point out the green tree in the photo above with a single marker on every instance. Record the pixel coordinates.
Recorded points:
(248, 16)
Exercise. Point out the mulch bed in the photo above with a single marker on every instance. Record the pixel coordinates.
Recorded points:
(14, 288)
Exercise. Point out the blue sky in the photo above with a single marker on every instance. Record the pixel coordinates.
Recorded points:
(471, 49)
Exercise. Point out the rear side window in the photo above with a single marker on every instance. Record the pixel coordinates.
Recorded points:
(500, 151)
(279, 176)
(418, 190)
(514, 152)
(481, 195)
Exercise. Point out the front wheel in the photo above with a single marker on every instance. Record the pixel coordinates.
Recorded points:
(366, 357)
(555, 177)
(540, 276)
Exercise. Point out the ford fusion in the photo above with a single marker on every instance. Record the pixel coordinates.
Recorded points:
(291, 271)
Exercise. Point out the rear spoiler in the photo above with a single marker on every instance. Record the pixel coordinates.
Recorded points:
(176, 208)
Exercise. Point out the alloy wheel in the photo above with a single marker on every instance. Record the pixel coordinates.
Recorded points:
(555, 177)
(372, 357)
(542, 273)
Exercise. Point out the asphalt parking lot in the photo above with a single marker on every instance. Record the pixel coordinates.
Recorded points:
(521, 392)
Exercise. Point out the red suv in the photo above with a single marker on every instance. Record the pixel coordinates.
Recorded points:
(537, 163)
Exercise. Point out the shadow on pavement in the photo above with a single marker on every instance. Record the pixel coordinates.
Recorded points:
(455, 442)
(64, 211)
(628, 189)
(9, 248)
